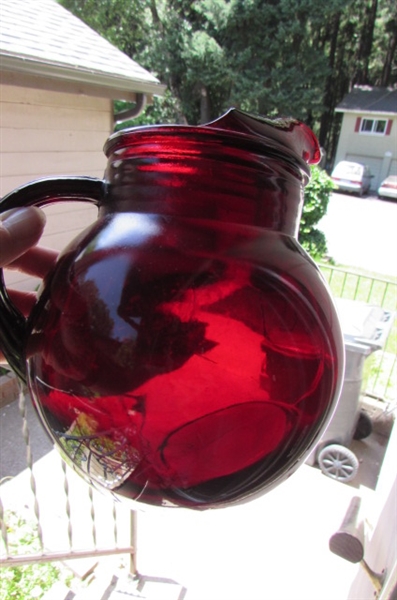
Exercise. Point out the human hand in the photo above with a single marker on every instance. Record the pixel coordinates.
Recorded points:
(20, 230)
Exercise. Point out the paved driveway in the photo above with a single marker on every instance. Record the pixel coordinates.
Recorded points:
(362, 232)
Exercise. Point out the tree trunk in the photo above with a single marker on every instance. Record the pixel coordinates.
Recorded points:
(205, 106)
(391, 50)
(329, 93)
(365, 46)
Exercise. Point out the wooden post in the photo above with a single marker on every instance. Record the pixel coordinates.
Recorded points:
(133, 541)
(348, 542)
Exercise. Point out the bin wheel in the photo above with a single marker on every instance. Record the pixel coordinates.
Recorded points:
(363, 427)
(338, 462)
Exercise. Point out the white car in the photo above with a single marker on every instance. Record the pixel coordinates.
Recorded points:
(351, 177)
(388, 188)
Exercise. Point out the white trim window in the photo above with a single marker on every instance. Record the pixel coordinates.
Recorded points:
(373, 126)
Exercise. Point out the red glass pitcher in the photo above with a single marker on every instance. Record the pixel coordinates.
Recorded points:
(185, 350)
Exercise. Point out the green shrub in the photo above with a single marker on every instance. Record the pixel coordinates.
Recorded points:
(317, 194)
(30, 580)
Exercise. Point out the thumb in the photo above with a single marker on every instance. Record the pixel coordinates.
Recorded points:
(20, 229)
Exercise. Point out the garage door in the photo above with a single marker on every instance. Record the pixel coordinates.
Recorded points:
(393, 167)
(375, 165)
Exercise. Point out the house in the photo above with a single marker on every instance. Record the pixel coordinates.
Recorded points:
(58, 81)
(369, 130)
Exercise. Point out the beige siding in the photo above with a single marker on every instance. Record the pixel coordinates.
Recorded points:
(353, 142)
(52, 132)
(36, 140)
(51, 118)
(374, 150)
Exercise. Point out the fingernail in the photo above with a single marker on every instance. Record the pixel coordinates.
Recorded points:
(23, 222)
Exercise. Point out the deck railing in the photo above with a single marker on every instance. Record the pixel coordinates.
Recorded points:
(65, 518)
(380, 380)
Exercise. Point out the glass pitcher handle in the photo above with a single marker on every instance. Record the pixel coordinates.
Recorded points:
(13, 325)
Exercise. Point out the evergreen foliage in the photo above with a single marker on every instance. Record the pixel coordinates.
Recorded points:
(316, 199)
(270, 57)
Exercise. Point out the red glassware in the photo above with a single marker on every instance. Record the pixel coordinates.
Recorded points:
(185, 350)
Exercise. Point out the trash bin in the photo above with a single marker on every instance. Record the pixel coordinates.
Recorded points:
(365, 329)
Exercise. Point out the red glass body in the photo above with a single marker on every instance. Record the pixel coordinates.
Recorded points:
(185, 351)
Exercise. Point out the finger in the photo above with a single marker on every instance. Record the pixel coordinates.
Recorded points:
(20, 229)
(36, 262)
(24, 301)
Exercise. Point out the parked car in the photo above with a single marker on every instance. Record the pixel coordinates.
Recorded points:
(388, 188)
(352, 177)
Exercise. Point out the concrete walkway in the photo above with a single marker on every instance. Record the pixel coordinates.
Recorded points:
(361, 232)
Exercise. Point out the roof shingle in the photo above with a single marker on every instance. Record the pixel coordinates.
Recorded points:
(43, 34)
(370, 99)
